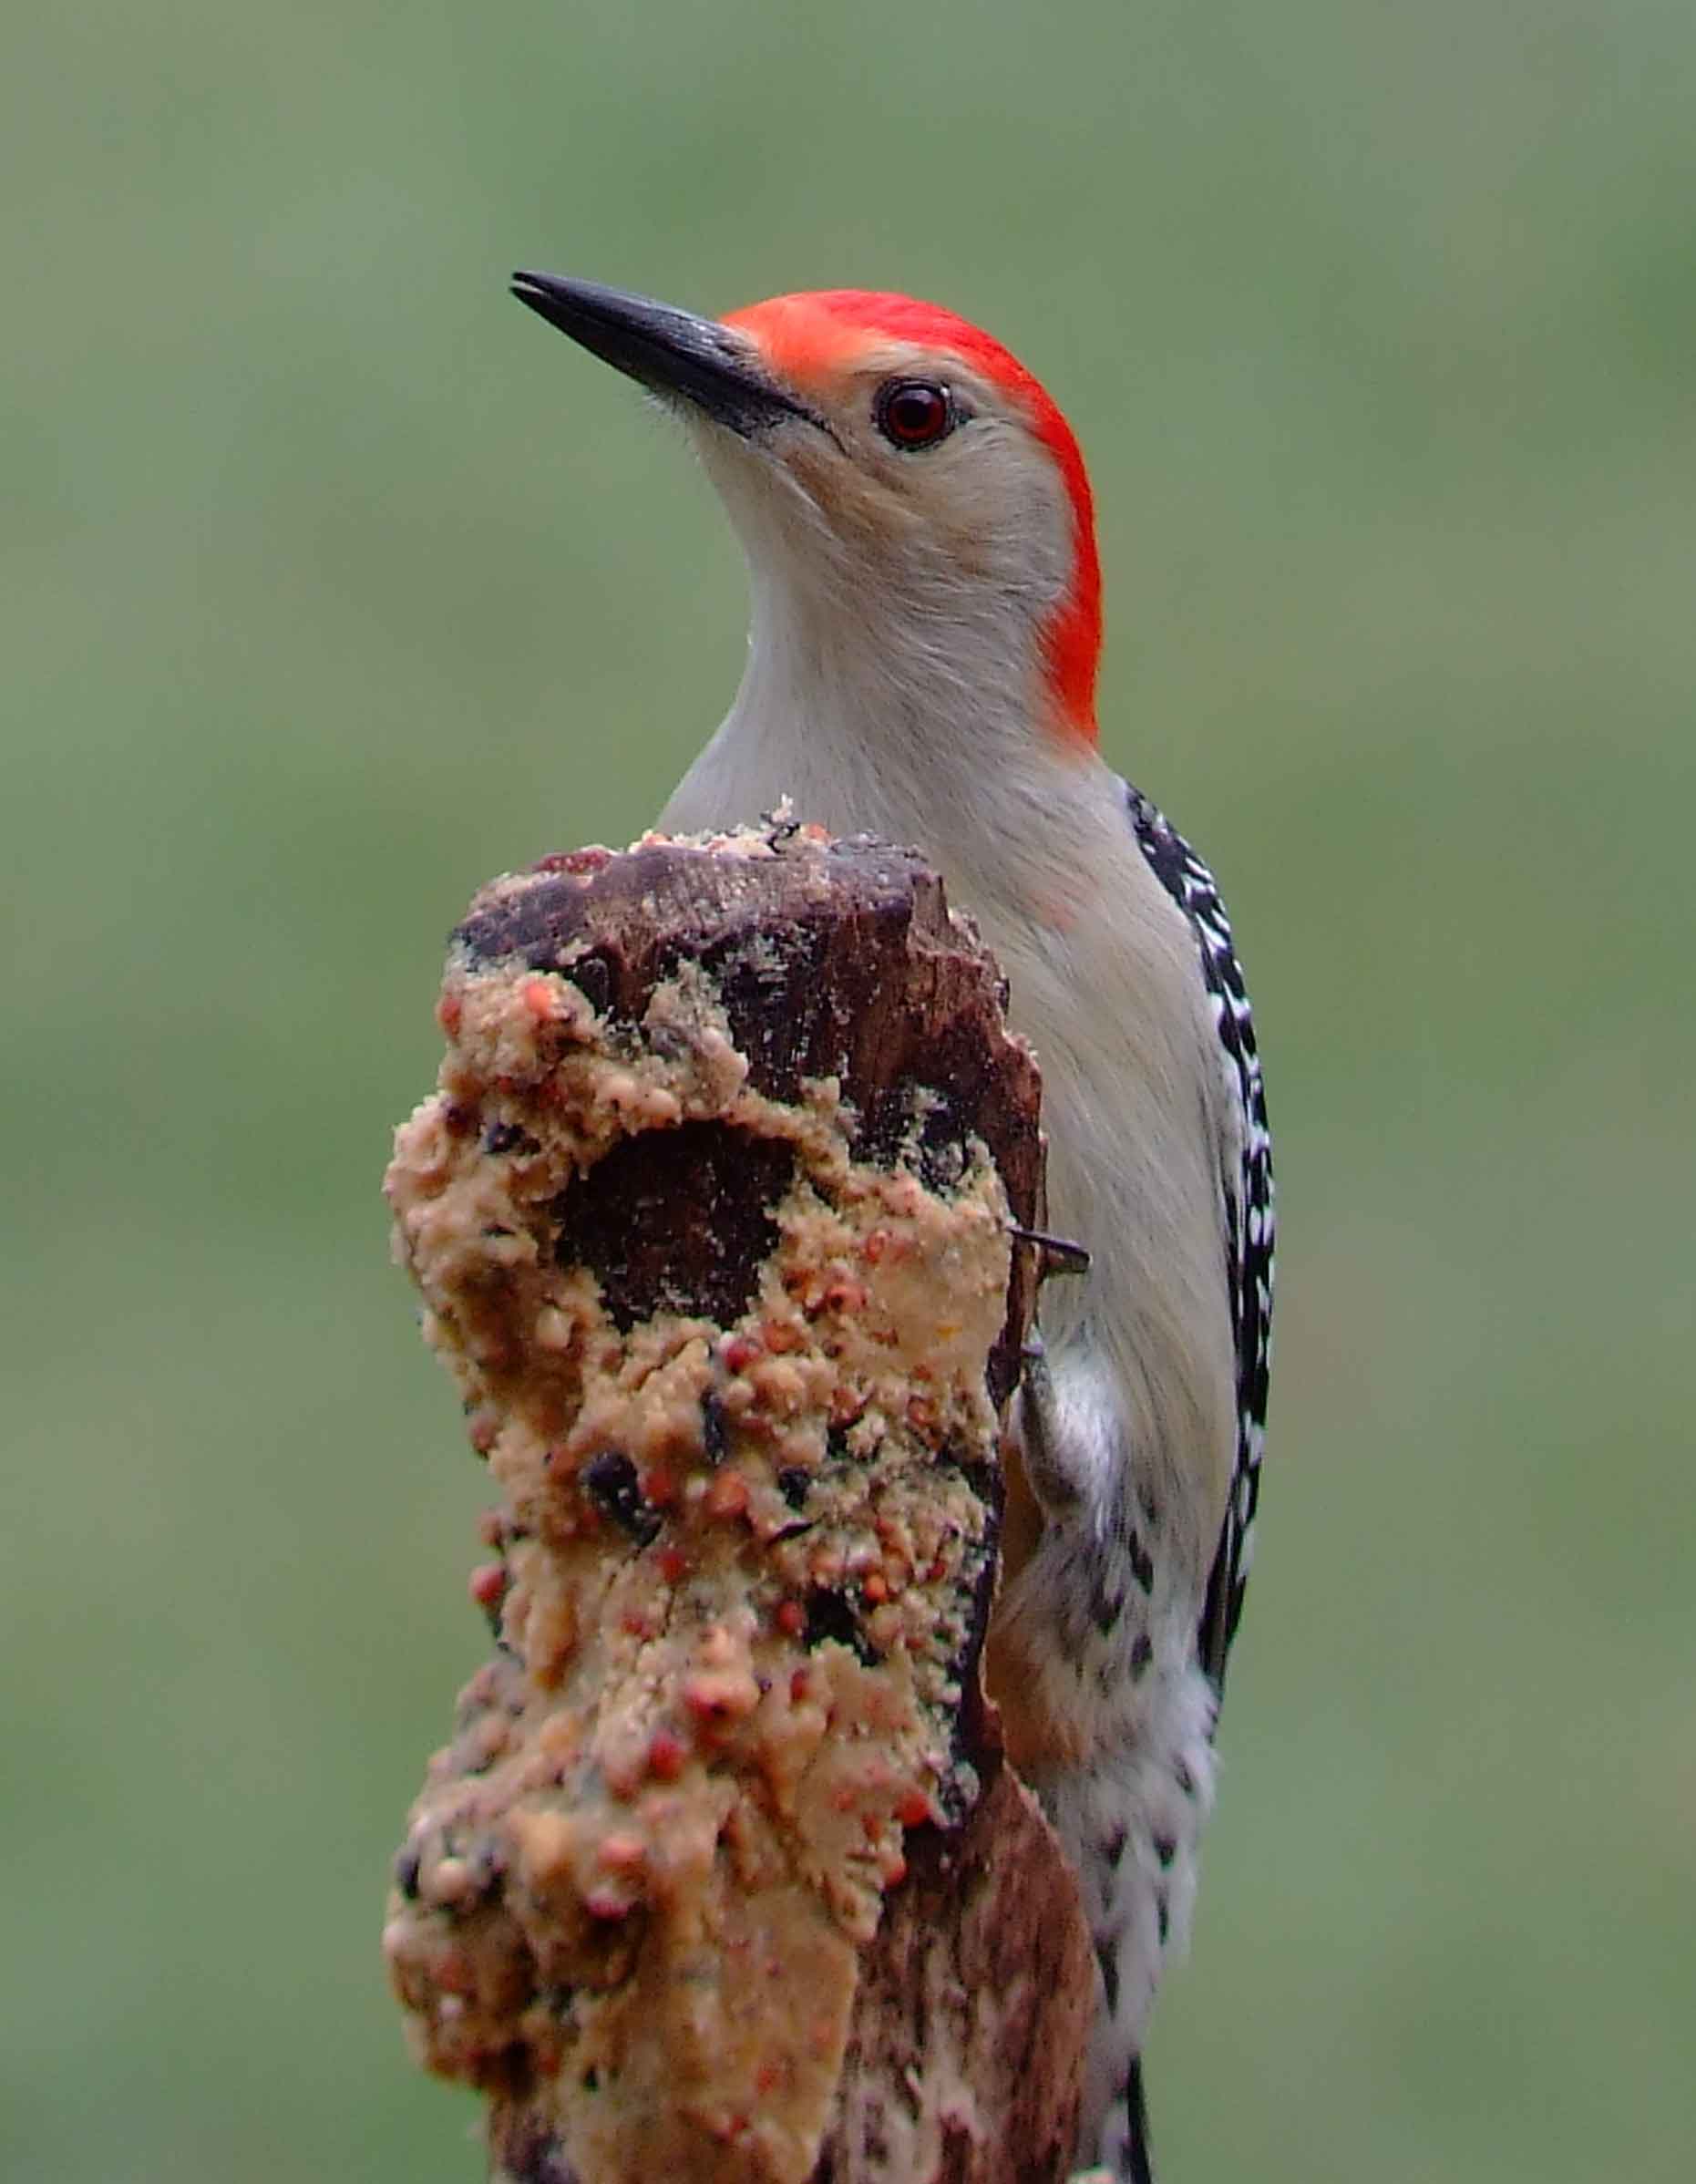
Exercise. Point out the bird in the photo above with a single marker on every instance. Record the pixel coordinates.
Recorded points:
(925, 624)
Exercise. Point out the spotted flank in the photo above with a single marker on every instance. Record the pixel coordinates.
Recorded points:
(1247, 1185)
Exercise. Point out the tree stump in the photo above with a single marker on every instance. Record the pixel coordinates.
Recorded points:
(724, 1876)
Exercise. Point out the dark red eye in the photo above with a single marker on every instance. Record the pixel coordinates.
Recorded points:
(914, 412)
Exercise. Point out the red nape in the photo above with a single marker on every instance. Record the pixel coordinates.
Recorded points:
(805, 337)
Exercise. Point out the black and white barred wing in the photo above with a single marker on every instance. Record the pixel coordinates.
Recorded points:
(1245, 1186)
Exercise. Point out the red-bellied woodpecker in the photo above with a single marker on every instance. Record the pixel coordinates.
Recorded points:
(926, 623)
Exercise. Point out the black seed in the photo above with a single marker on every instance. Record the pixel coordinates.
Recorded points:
(1113, 1847)
(609, 1481)
(1166, 1848)
(507, 1137)
(1163, 1919)
(1185, 1781)
(592, 977)
(591, 2080)
(714, 1428)
(407, 1873)
(1106, 1612)
(530, 2152)
(1142, 1562)
(795, 1485)
(1141, 1653)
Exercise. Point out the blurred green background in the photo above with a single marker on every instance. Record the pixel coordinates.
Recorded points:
(334, 582)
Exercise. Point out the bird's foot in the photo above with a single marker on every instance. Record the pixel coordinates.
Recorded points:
(1043, 1436)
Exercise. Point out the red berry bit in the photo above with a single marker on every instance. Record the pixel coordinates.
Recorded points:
(659, 1486)
(666, 1755)
(575, 864)
(489, 1584)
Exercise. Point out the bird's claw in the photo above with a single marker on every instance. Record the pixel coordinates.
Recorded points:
(1060, 1255)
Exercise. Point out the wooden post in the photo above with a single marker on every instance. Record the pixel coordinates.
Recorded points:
(724, 1875)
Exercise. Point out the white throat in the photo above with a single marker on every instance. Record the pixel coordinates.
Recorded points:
(894, 681)
(924, 731)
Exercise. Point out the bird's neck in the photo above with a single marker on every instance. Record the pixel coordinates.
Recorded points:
(933, 730)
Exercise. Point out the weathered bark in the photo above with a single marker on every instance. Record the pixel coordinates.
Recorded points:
(955, 2053)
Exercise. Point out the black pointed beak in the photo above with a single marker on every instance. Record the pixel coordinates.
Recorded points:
(671, 353)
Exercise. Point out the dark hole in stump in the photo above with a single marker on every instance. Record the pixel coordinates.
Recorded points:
(830, 1615)
(677, 1219)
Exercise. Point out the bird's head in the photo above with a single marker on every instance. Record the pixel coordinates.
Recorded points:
(882, 460)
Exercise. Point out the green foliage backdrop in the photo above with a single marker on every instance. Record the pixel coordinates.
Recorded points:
(333, 582)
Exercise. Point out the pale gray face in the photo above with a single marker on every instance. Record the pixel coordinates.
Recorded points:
(910, 461)
(956, 549)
